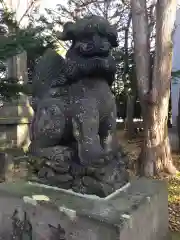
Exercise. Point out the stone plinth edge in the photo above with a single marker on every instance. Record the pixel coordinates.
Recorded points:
(140, 212)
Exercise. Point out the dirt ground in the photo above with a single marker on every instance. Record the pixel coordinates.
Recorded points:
(132, 148)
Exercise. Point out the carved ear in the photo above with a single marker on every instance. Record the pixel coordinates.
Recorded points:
(68, 32)
(114, 41)
(113, 36)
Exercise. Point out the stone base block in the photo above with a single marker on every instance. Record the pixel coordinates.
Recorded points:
(139, 212)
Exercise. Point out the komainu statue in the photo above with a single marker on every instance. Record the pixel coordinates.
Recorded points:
(74, 125)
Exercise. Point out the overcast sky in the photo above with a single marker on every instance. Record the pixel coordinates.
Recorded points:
(52, 3)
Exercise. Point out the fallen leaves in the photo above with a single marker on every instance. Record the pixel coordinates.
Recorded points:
(175, 236)
(174, 204)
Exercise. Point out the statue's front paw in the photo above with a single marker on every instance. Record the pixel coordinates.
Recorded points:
(96, 187)
(96, 172)
(115, 173)
(79, 187)
(77, 169)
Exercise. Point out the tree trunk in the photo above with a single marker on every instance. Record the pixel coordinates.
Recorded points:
(129, 116)
(131, 98)
(141, 47)
(156, 154)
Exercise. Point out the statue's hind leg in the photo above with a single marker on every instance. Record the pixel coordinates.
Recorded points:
(48, 125)
(53, 160)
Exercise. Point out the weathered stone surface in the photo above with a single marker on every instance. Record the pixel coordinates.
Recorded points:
(12, 168)
(7, 166)
(140, 212)
(75, 111)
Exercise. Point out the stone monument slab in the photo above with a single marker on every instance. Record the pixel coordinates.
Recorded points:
(138, 211)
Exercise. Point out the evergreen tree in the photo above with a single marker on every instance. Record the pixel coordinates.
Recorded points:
(14, 40)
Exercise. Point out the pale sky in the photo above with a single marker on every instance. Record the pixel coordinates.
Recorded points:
(52, 3)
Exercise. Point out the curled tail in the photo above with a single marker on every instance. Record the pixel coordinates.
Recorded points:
(49, 73)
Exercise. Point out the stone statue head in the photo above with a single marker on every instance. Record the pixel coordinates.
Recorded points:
(92, 39)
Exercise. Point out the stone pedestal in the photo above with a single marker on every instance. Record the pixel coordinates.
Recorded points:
(139, 212)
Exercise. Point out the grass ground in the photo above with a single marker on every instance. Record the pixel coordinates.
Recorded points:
(133, 148)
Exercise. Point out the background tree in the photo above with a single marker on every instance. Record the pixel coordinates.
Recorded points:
(12, 43)
(154, 83)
